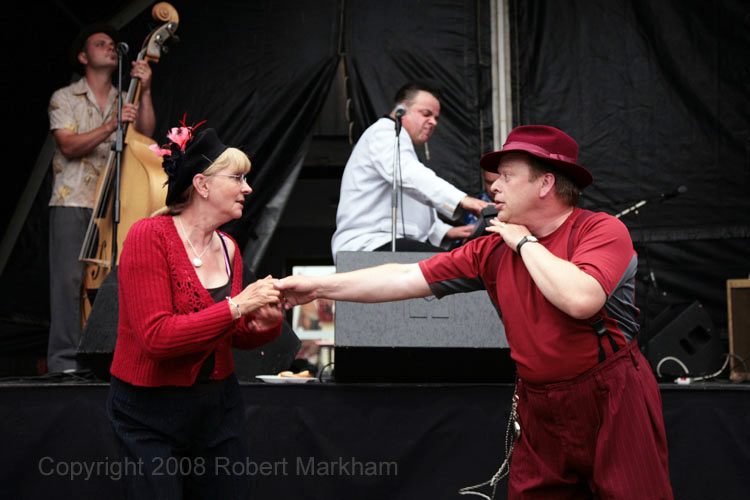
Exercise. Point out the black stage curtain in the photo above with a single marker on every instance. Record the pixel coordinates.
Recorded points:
(654, 92)
(259, 72)
(323, 441)
(390, 43)
(656, 95)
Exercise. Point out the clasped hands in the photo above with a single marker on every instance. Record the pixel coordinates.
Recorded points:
(265, 299)
(262, 301)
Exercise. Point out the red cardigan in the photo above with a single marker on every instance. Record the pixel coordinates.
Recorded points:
(169, 324)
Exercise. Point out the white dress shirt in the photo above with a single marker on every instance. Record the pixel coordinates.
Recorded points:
(363, 218)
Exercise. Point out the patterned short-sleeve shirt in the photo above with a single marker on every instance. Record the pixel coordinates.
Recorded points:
(75, 108)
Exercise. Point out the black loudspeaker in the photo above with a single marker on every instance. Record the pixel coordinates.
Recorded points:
(459, 338)
(98, 339)
(97, 346)
(685, 334)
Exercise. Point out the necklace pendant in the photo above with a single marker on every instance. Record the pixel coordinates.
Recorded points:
(197, 262)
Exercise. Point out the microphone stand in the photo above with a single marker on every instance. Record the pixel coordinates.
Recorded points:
(117, 146)
(651, 276)
(631, 209)
(394, 193)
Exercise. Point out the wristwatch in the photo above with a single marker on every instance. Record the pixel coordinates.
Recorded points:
(526, 239)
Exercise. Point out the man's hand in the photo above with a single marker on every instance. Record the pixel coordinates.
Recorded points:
(145, 120)
(571, 290)
(473, 205)
(142, 71)
(129, 115)
(296, 290)
(512, 234)
(459, 232)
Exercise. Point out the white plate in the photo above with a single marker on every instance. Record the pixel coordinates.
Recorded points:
(275, 379)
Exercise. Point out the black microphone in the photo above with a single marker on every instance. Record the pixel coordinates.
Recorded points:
(675, 192)
(399, 112)
(122, 48)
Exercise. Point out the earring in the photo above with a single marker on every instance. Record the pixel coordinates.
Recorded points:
(205, 196)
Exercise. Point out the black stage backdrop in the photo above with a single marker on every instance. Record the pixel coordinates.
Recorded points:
(259, 72)
(445, 42)
(656, 94)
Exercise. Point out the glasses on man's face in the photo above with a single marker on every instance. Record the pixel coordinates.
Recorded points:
(241, 178)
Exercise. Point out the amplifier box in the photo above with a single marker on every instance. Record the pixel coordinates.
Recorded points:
(457, 338)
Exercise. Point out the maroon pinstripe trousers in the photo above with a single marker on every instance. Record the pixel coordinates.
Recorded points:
(598, 436)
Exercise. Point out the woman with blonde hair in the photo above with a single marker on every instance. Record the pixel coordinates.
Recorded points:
(174, 401)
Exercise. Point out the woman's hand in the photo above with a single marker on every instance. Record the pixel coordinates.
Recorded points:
(256, 295)
(265, 317)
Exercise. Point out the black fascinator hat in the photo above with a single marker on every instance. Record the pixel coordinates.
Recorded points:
(188, 155)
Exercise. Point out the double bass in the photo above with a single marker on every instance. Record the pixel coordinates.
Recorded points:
(141, 178)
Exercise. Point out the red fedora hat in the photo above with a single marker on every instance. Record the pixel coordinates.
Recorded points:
(549, 144)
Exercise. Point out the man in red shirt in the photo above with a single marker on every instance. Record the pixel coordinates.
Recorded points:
(563, 280)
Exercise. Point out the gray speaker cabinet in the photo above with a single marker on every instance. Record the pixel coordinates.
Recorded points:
(459, 338)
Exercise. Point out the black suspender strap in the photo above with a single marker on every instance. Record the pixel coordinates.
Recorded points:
(598, 325)
(601, 330)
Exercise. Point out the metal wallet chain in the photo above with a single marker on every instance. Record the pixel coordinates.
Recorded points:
(512, 434)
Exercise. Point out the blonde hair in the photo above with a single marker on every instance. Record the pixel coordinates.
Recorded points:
(230, 157)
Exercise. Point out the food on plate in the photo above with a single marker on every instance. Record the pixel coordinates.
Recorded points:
(302, 374)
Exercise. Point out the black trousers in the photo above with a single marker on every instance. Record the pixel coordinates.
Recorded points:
(182, 442)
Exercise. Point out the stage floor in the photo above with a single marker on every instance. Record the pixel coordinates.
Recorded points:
(335, 441)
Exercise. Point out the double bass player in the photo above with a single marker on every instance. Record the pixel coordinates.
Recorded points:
(83, 119)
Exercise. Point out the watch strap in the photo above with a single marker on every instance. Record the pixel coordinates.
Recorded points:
(523, 241)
